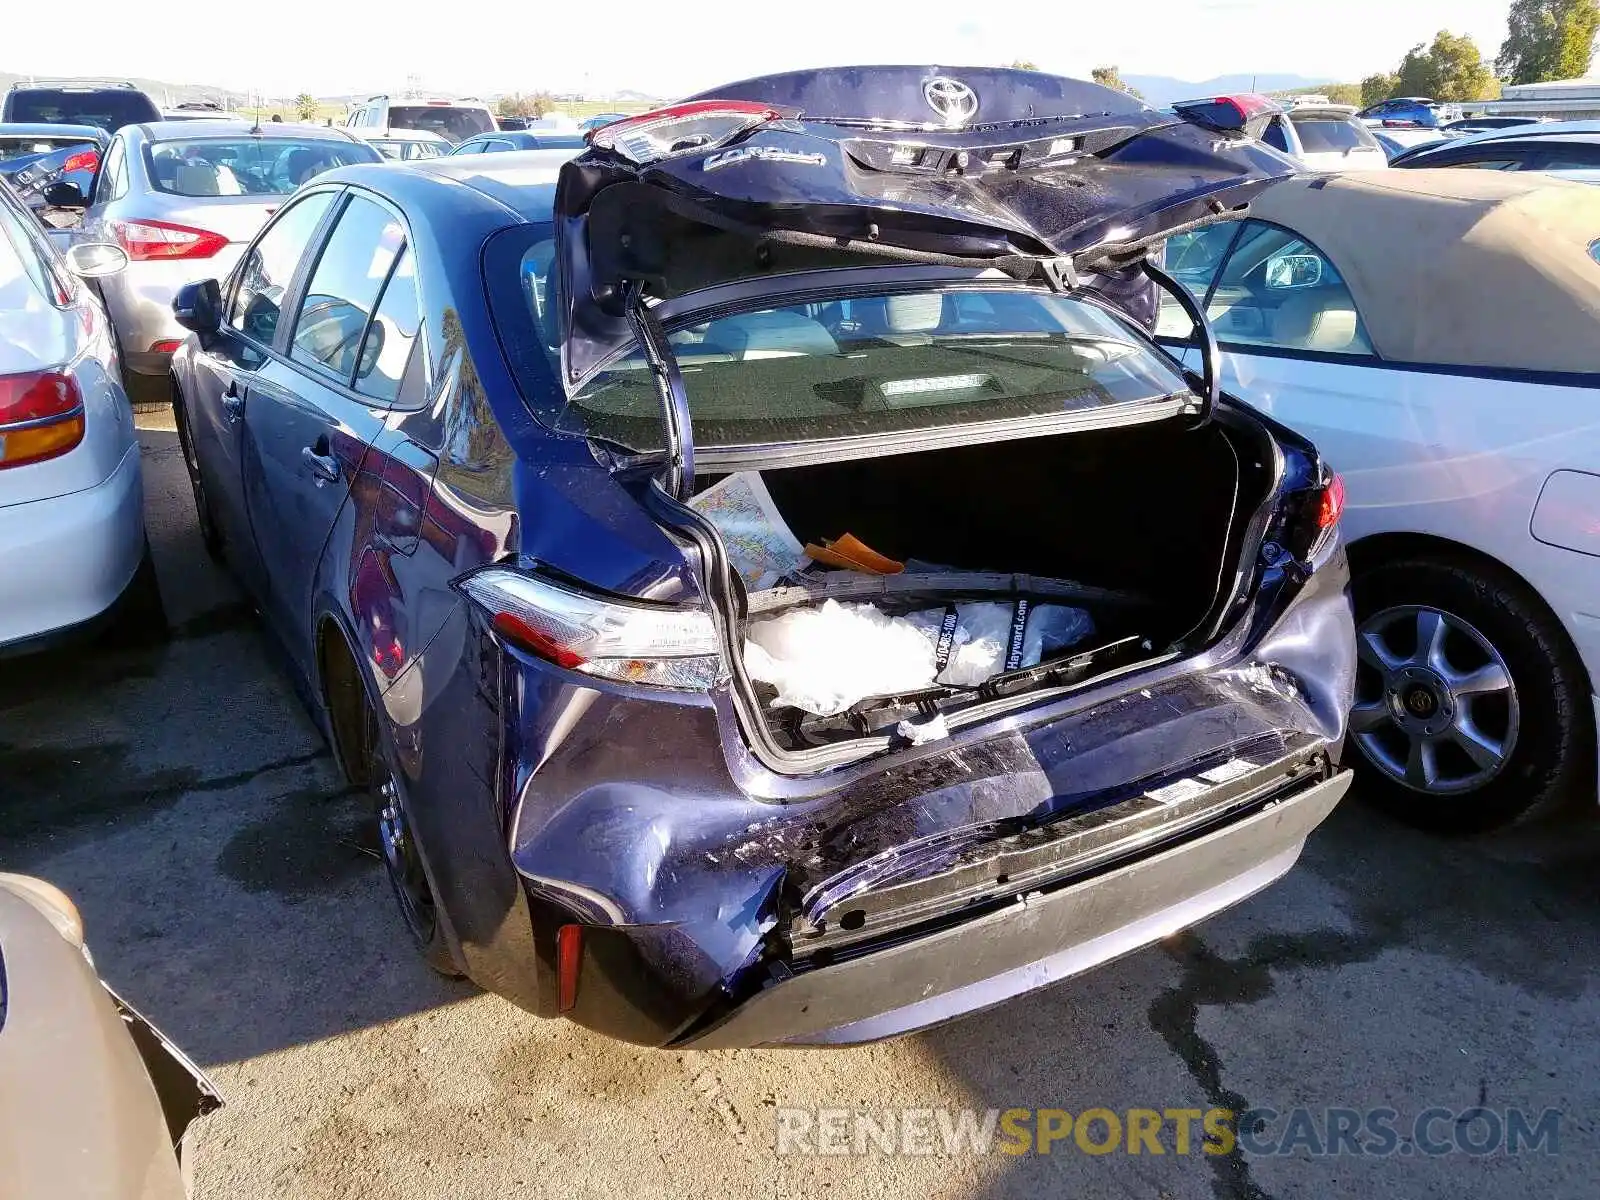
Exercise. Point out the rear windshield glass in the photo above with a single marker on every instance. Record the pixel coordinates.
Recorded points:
(457, 124)
(14, 146)
(1321, 135)
(246, 166)
(109, 109)
(870, 364)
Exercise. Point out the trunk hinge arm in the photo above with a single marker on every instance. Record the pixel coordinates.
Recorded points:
(678, 472)
(1210, 356)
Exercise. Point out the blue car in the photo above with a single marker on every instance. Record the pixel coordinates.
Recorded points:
(768, 578)
(519, 139)
(1407, 110)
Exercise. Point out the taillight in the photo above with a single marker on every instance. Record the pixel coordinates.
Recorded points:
(628, 642)
(681, 129)
(1315, 518)
(1227, 112)
(147, 240)
(41, 416)
(83, 160)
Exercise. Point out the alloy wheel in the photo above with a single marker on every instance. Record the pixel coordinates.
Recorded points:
(1436, 706)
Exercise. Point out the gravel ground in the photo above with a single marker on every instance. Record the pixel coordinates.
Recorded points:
(227, 881)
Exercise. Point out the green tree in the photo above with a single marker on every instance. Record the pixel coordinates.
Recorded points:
(1548, 39)
(1343, 93)
(1451, 69)
(1023, 64)
(305, 106)
(1377, 88)
(519, 105)
(1111, 77)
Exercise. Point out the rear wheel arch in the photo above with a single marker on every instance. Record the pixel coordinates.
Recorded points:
(343, 692)
(1380, 548)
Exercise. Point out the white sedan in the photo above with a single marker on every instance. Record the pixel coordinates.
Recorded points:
(71, 501)
(1437, 334)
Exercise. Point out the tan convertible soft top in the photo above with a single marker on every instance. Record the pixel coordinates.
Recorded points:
(1457, 266)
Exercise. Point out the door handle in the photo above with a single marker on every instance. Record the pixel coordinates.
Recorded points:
(232, 401)
(324, 466)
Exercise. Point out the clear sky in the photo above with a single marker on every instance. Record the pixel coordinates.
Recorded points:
(672, 47)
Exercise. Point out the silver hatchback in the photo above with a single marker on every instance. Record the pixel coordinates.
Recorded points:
(183, 199)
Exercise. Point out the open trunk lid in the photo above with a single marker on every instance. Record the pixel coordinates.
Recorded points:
(1042, 177)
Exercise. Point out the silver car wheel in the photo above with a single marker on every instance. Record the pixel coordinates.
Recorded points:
(1436, 707)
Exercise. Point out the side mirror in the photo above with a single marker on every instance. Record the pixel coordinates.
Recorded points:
(198, 306)
(94, 260)
(1293, 271)
(63, 194)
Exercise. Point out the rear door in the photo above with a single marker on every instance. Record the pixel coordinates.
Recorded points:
(306, 428)
(228, 366)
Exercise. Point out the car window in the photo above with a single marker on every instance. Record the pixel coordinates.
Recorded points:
(1275, 135)
(113, 181)
(245, 166)
(28, 270)
(266, 271)
(1193, 260)
(386, 350)
(469, 148)
(881, 363)
(1277, 289)
(344, 287)
(106, 108)
(447, 120)
(1324, 135)
(1574, 158)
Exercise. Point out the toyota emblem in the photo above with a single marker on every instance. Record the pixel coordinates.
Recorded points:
(954, 101)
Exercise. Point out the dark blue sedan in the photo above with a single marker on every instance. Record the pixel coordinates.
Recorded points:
(519, 139)
(769, 580)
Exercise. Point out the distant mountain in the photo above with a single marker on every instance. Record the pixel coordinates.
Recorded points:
(1162, 90)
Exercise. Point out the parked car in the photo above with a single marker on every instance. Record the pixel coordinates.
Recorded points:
(423, 425)
(182, 199)
(1468, 125)
(1323, 137)
(105, 105)
(1466, 435)
(510, 122)
(1327, 138)
(201, 110)
(71, 502)
(599, 120)
(1411, 110)
(452, 120)
(500, 143)
(407, 144)
(1396, 142)
(94, 1101)
(1546, 146)
(76, 150)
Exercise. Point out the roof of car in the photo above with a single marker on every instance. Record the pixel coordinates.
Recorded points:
(1405, 242)
(161, 131)
(1537, 129)
(521, 181)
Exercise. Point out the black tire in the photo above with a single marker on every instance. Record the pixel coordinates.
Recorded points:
(210, 533)
(140, 616)
(402, 856)
(1545, 720)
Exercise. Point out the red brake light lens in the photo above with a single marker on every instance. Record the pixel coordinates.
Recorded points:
(1331, 506)
(1250, 104)
(41, 416)
(83, 160)
(681, 129)
(147, 240)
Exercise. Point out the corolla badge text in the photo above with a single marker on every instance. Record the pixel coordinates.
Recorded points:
(739, 154)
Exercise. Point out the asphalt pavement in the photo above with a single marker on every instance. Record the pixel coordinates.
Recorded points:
(230, 890)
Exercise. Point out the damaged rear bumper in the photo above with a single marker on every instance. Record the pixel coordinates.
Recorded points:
(1039, 939)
